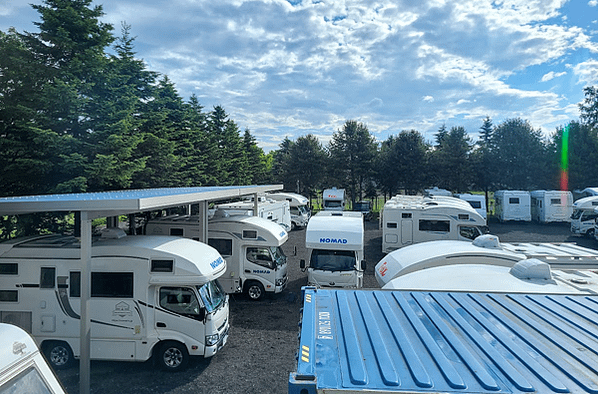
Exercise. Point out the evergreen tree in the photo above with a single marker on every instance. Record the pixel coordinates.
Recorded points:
(256, 160)
(231, 167)
(589, 107)
(451, 160)
(309, 160)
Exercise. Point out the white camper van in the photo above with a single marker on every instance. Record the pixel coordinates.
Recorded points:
(334, 242)
(477, 202)
(334, 199)
(485, 249)
(300, 212)
(512, 205)
(437, 192)
(551, 206)
(150, 296)
(276, 211)
(406, 220)
(587, 192)
(251, 246)
(583, 218)
(23, 369)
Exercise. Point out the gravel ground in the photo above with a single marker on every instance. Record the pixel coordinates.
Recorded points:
(262, 343)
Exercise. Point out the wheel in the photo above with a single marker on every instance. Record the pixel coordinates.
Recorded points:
(590, 233)
(172, 356)
(59, 354)
(254, 290)
(293, 226)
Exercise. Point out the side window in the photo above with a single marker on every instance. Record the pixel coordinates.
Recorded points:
(406, 215)
(9, 296)
(75, 284)
(260, 256)
(47, 278)
(181, 300)
(112, 284)
(9, 269)
(223, 246)
(468, 232)
(514, 200)
(435, 225)
(391, 225)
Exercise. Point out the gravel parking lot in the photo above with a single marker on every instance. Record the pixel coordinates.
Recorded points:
(261, 349)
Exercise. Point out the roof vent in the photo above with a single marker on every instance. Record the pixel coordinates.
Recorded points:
(487, 241)
(112, 233)
(531, 269)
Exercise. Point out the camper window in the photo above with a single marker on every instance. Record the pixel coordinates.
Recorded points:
(181, 300)
(249, 234)
(391, 225)
(9, 296)
(555, 201)
(178, 232)
(112, 284)
(28, 381)
(475, 204)
(513, 200)
(223, 246)
(47, 277)
(260, 256)
(406, 215)
(75, 284)
(435, 225)
(162, 266)
(9, 269)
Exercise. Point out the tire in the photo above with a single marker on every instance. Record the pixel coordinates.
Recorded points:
(293, 226)
(59, 354)
(172, 356)
(254, 290)
(590, 233)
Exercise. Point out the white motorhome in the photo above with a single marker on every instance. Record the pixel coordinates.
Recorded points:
(251, 246)
(486, 249)
(23, 369)
(276, 211)
(334, 199)
(335, 242)
(406, 220)
(150, 296)
(299, 207)
(477, 202)
(437, 192)
(512, 205)
(551, 206)
(587, 192)
(583, 218)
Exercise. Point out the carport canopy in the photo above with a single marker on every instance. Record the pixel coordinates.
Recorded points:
(116, 203)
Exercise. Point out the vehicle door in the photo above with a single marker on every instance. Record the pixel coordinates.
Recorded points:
(179, 311)
(260, 265)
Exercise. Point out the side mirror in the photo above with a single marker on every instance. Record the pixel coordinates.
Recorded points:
(202, 314)
(302, 264)
(363, 265)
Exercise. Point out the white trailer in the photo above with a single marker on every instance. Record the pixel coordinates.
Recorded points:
(477, 202)
(486, 249)
(334, 199)
(551, 206)
(299, 207)
(406, 220)
(512, 205)
(251, 246)
(335, 243)
(23, 369)
(150, 296)
(276, 211)
(583, 218)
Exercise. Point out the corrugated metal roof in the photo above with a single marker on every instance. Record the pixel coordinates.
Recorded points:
(399, 341)
(111, 203)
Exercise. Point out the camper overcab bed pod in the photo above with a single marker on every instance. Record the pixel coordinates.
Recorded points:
(255, 262)
(334, 242)
(149, 296)
(276, 211)
(333, 199)
(23, 369)
(477, 202)
(300, 212)
(551, 206)
(407, 220)
(584, 216)
(485, 249)
(512, 205)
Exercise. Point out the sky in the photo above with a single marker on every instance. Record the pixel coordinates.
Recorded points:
(288, 68)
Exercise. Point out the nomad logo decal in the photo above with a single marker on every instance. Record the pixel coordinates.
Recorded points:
(217, 262)
(333, 241)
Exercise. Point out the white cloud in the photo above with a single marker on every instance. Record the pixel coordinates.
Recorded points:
(587, 72)
(593, 3)
(551, 75)
(428, 99)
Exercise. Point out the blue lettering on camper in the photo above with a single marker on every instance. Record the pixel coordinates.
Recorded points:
(217, 262)
(333, 241)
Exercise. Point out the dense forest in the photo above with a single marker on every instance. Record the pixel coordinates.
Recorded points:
(79, 112)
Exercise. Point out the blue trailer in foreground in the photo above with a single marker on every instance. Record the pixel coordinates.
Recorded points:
(380, 341)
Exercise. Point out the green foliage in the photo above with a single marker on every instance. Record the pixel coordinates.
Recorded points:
(451, 160)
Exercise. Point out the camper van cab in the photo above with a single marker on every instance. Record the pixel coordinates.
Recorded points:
(23, 369)
(300, 212)
(334, 242)
(584, 216)
(150, 296)
(513, 205)
(408, 220)
(333, 199)
(251, 246)
(551, 206)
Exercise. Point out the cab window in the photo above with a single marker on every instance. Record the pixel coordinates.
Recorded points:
(181, 300)
(260, 256)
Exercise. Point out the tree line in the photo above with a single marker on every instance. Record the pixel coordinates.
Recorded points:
(79, 113)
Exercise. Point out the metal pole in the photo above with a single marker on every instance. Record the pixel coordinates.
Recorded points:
(255, 205)
(203, 221)
(85, 324)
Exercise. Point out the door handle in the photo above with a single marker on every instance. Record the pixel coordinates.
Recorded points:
(248, 271)
(160, 324)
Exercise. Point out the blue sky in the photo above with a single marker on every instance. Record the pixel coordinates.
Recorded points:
(292, 67)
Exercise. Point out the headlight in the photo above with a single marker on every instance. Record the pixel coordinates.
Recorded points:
(279, 282)
(211, 340)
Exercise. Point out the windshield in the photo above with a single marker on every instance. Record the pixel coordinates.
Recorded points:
(278, 255)
(333, 260)
(212, 295)
(302, 209)
(576, 214)
(332, 204)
